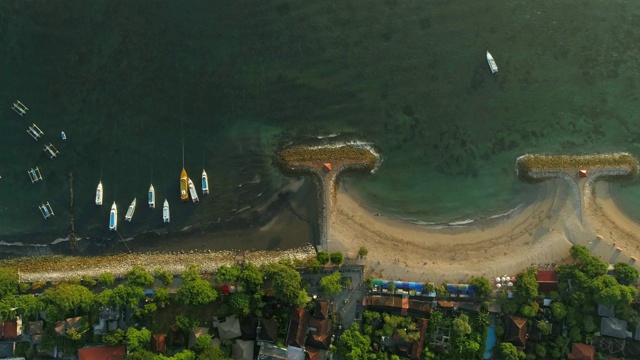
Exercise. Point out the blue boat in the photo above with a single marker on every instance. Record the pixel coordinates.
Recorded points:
(113, 217)
(205, 182)
(64, 136)
(152, 197)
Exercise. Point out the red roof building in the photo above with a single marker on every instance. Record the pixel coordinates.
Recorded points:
(102, 353)
(326, 167)
(547, 281)
(582, 352)
(11, 330)
(582, 173)
(158, 344)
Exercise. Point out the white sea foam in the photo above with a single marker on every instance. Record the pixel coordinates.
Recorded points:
(461, 222)
(327, 136)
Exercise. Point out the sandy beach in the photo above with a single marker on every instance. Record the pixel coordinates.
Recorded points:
(536, 234)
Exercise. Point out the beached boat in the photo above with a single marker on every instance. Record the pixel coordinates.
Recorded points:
(99, 194)
(184, 186)
(492, 63)
(166, 217)
(35, 132)
(113, 217)
(46, 210)
(63, 135)
(132, 209)
(34, 175)
(192, 191)
(205, 182)
(152, 197)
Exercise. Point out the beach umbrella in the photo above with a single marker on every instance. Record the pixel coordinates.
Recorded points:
(508, 278)
(510, 284)
(502, 279)
(498, 286)
(497, 279)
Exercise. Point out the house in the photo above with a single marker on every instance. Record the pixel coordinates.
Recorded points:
(309, 331)
(107, 321)
(248, 328)
(7, 349)
(271, 352)
(398, 305)
(297, 327)
(267, 330)
(614, 327)
(102, 353)
(547, 281)
(582, 352)
(326, 167)
(230, 328)
(606, 311)
(158, 344)
(516, 331)
(176, 336)
(315, 354)
(242, 350)
(10, 330)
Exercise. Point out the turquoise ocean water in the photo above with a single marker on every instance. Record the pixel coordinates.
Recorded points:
(128, 80)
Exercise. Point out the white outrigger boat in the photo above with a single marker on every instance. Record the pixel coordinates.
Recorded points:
(19, 108)
(113, 217)
(492, 63)
(35, 132)
(152, 197)
(46, 210)
(51, 150)
(130, 211)
(193, 192)
(99, 194)
(205, 182)
(166, 217)
(34, 175)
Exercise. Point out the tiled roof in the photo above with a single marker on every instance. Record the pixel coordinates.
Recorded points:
(516, 330)
(297, 327)
(582, 352)
(102, 353)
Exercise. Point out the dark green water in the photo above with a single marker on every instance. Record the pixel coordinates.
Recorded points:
(125, 80)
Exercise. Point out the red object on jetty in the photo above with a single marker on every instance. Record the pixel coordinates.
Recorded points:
(582, 173)
(326, 167)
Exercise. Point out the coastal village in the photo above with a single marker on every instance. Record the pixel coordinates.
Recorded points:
(324, 304)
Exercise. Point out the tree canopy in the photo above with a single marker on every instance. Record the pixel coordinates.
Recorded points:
(196, 292)
(323, 257)
(483, 285)
(228, 274)
(330, 284)
(510, 352)
(336, 258)
(65, 298)
(625, 273)
(251, 277)
(8, 282)
(126, 296)
(137, 339)
(526, 285)
(286, 282)
(353, 345)
(138, 276)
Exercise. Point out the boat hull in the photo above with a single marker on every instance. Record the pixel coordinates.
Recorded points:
(130, 211)
(492, 63)
(166, 215)
(99, 194)
(184, 186)
(193, 192)
(152, 197)
(205, 183)
(113, 217)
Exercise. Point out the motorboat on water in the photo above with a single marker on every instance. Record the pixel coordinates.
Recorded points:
(205, 182)
(184, 186)
(35, 132)
(130, 211)
(34, 175)
(192, 191)
(63, 135)
(113, 217)
(99, 194)
(152, 197)
(46, 210)
(492, 63)
(166, 217)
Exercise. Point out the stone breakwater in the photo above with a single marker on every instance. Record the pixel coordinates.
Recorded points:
(65, 268)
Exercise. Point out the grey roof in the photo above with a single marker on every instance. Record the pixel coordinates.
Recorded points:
(230, 328)
(242, 350)
(613, 327)
(606, 311)
(636, 335)
(6, 349)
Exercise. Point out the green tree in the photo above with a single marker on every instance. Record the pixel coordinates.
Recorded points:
(165, 277)
(87, 280)
(526, 286)
(240, 303)
(66, 298)
(161, 297)
(203, 342)
(461, 325)
(541, 351)
(28, 306)
(353, 345)
(336, 258)
(115, 337)
(558, 310)
(528, 311)
(8, 282)
(330, 284)
(186, 323)
(482, 284)
(138, 276)
(544, 327)
(146, 311)
(137, 339)
(192, 272)
(126, 296)
(323, 257)
(251, 277)
(363, 252)
(314, 265)
(196, 292)
(286, 282)
(227, 274)
(106, 279)
(625, 273)
(214, 353)
(579, 252)
(510, 352)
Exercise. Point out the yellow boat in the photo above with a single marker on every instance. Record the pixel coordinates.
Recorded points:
(184, 186)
